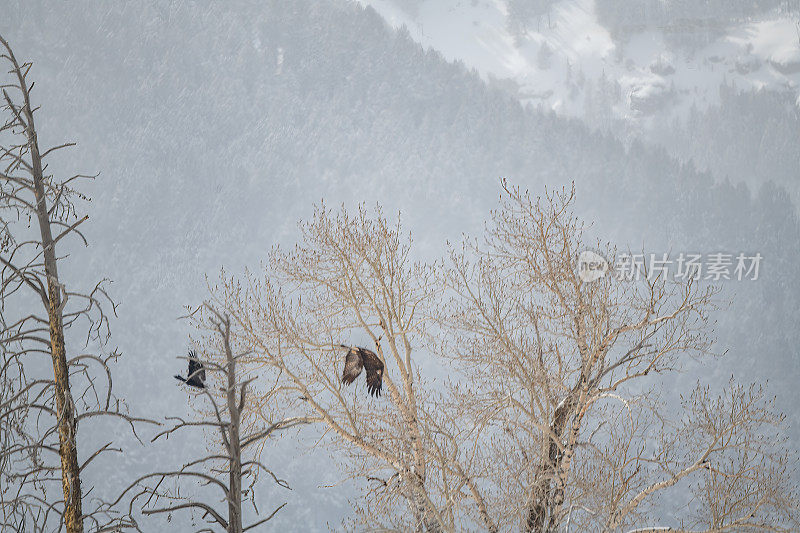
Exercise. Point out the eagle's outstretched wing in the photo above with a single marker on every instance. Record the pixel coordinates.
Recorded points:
(358, 359)
(353, 364)
(374, 368)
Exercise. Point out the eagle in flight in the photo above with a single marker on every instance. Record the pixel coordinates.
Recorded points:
(197, 372)
(359, 358)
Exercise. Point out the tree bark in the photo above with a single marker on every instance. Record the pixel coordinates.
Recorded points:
(67, 425)
(235, 458)
(426, 520)
(548, 494)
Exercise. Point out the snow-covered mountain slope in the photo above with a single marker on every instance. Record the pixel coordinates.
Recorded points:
(566, 60)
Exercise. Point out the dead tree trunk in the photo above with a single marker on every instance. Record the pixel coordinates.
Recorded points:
(228, 428)
(67, 435)
(70, 471)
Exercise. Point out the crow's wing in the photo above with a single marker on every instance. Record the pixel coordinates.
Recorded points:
(197, 372)
(374, 368)
(353, 364)
(194, 366)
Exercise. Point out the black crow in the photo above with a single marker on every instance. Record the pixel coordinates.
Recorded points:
(197, 373)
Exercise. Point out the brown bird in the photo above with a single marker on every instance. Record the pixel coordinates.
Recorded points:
(359, 358)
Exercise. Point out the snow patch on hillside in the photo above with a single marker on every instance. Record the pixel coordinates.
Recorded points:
(570, 63)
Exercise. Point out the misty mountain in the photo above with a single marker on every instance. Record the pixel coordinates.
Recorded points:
(216, 126)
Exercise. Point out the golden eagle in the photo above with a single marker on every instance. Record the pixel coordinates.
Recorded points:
(197, 372)
(358, 358)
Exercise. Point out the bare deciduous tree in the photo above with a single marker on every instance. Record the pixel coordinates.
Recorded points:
(226, 421)
(40, 413)
(351, 281)
(551, 415)
(569, 408)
